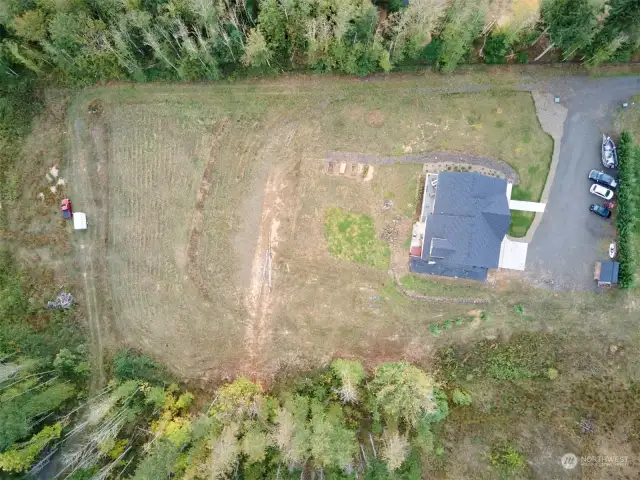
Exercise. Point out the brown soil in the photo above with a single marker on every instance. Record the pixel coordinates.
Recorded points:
(375, 118)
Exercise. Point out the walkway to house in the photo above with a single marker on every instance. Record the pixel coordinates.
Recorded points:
(526, 206)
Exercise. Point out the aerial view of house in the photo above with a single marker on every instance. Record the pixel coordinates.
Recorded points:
(464, 221)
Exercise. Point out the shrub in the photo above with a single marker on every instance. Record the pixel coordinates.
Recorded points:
(522, 57)
(496, 48)
(507, 458)
(435, 329)
(461, 398)
(128, 365)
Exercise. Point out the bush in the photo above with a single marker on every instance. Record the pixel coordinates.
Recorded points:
(496, 49)
(522, 57)
(461, 398)
(128, 365)
(507, 458)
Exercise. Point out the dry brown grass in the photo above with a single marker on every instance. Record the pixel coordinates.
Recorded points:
(187, 187)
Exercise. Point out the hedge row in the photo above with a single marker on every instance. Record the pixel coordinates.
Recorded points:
(627, 209)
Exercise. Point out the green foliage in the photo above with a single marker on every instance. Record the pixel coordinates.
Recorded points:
(160, 462)
(402, 392)
(350, 373)
(129, 365)
(21, 457)
(464, 23)
(240, 399)
(522, 57)
(628, 209)
(525, 356)
(435, 329)
(619, 34)
(496, 48)
(572, 23)
(507, 458)
(353, 237)
(461, 398)
(332, 444)
(71, 365)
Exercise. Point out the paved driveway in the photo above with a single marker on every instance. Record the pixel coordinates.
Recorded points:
(570, 239)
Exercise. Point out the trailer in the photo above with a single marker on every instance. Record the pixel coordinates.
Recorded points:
(79, 221)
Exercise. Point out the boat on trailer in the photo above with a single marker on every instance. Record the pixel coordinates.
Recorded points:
(609, 153)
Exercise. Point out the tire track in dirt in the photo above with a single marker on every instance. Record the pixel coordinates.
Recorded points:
(197, 219)
(83, 190)
(259, 298)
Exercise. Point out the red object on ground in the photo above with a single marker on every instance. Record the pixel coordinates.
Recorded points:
(65, 206)
(415, 251)
(610, 204)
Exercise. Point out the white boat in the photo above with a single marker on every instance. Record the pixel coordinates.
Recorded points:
(612, 250)
(609, 153)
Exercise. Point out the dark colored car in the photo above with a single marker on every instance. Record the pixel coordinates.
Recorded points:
(603, 179)
(600, 210)
(65, 206)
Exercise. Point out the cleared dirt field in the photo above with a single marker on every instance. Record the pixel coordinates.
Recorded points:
(189, 189)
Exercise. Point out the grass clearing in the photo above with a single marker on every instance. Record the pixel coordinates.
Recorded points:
(444, 287)
(353, 237)
(520, 223)
(189, 185)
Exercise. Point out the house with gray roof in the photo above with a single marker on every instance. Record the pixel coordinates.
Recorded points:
(465, 217)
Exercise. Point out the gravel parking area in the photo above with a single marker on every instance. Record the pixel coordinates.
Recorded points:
(570, 239)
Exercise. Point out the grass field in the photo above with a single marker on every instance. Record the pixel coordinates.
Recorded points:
(190, 187)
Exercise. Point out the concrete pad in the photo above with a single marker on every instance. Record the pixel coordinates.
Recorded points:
(513, 255)
(527, 206)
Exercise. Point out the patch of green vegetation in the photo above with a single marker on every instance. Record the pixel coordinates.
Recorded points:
(507, 458)
(129, 365)
(461, 398)
(520, 223)
(526, 356)
(352, 237)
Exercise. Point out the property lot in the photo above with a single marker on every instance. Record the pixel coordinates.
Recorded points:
(571, 239)
(208, 209)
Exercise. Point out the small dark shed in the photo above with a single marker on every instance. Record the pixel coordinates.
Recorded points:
(606, 273)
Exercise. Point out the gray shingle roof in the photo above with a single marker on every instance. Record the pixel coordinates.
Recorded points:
(470, 218)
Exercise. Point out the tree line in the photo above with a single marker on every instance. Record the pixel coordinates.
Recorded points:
(80, 42)
(340, 423)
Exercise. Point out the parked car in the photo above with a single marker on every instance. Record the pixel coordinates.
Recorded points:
(601, 191)
(600, 210)
(65, 206)
(603, 179)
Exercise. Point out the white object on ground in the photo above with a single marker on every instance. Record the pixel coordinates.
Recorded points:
(513, 255)
(527, 206)
(54, 171)
(80, 221)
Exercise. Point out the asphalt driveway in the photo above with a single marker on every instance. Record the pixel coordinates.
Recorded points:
(570, 239)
